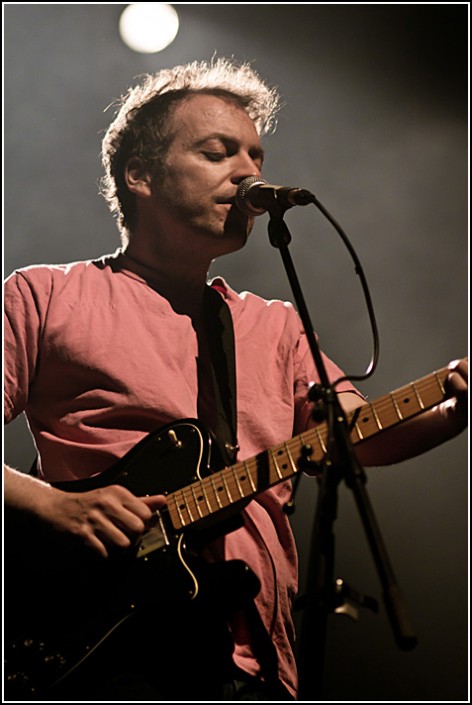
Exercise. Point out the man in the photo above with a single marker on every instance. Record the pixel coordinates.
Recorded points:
(99, 354)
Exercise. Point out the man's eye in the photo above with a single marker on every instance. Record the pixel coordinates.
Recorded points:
(215, 156)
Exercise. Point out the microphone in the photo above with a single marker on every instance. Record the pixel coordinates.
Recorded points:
(255, 196)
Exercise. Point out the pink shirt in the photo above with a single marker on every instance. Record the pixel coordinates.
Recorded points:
(97, 359)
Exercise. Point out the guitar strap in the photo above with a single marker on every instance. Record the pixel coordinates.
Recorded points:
(221, 343)
(218, 325)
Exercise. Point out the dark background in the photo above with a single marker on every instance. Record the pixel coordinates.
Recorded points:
(375, 123)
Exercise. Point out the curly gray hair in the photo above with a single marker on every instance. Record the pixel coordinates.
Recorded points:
(140, 127)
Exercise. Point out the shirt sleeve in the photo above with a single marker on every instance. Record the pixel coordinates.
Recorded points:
(305, 373)
(22, 330)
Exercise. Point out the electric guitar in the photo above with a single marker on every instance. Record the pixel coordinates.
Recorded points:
(84, 601)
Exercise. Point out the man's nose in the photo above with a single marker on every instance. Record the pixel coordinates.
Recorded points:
(245, 166)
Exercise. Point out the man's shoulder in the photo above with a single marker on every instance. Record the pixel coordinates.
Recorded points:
(47, 273)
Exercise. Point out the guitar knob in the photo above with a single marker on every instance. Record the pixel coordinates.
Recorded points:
(173, 439)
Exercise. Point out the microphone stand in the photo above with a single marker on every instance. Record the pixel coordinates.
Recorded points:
(322, 597)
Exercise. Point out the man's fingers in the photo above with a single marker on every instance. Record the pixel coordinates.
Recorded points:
(155, 501)
(108, 516)
(458, 379)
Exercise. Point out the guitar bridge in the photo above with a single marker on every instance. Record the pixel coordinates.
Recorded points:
(155, 538)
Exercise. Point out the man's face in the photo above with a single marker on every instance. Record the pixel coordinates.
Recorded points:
(215, 146)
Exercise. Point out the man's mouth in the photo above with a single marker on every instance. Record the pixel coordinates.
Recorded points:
(229, 200)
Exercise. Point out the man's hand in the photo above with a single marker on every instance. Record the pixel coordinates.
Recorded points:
(101, 518)
(455, 409)
(459, 378)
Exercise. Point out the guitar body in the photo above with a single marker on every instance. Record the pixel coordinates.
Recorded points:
(66, 606)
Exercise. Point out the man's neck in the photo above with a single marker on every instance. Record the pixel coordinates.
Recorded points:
(180, 280)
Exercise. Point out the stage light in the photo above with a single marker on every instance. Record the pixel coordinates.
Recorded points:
(148, 27)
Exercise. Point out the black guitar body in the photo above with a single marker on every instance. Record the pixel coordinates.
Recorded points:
(63, 606)
(67, 609)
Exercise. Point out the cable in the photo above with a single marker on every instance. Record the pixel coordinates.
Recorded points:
(360, 272)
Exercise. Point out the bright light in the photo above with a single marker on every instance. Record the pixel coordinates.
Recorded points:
(148, 27)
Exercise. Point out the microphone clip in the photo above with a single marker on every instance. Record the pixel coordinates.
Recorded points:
(279, 234)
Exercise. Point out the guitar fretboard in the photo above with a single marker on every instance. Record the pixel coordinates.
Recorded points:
(244, 480)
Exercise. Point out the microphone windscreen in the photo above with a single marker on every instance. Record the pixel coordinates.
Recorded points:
(242, 201)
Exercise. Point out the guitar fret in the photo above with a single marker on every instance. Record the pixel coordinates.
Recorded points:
(226, 488)
(196, 501)
(276, 465)
(207, 501)
(375, 415)
(440, 384)
(240, 489)
(178, 504)
(187, 506)
(359, 432)
(174, 512)
(429, 389)
(415, 389)
(369, 416)
(253, 487)
(366, 419)
(320, 439)
(211, 478)
(396, 407)
(294, 467)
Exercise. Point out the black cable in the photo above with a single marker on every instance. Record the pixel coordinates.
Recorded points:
(360, 272)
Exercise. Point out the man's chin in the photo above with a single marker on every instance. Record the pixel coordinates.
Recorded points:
(238, 225)
(237, 236)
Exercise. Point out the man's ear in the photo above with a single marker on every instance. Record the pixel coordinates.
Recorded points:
(137, 177)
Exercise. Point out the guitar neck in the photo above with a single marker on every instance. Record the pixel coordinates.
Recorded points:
(244, 480)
